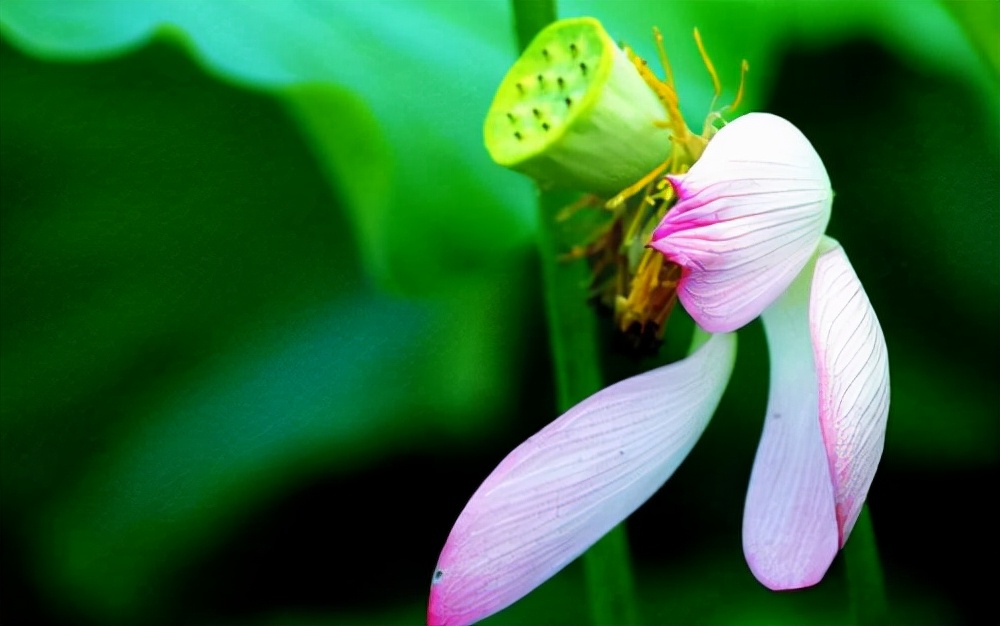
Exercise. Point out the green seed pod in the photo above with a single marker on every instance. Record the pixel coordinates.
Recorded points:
(574, 112)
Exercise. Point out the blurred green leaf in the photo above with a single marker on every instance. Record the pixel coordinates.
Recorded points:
(981, 21)
(943, 415)
(425, 70)
(335, 391)
(186, 327)
(347, 139)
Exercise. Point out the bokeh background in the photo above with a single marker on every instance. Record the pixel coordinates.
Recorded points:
(269, 313)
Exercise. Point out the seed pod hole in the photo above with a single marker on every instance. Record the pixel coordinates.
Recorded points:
(555, 81)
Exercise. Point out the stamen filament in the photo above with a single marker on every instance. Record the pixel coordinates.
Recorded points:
(667, 95)
(711, 69)
(744, 67)
(662, 50)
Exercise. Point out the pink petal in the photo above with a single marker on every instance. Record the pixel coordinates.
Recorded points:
(853, 367)
(565, 487)
(749, 215)
(825, 424)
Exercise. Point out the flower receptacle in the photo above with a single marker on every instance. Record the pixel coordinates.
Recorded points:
(574, 112)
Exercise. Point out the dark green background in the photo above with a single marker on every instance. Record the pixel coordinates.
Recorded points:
(269, 314)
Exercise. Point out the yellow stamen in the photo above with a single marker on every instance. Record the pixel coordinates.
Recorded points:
(711, 68)
(665, 92)
(662, 192)
(661, 49)
(651, 296)
(744, 67)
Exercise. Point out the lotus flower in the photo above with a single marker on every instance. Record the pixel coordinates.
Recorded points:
(747, 231)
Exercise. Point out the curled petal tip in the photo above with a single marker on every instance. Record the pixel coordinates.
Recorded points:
(778, 577)
(749, 215)
(438, 613)
(677, 182)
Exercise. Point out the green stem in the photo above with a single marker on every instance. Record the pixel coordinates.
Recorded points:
(576, 358)
(865, 584)
(610, 586)
(531, 16)
(573, 334)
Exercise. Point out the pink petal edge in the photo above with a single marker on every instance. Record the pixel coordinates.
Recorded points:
(853, 367)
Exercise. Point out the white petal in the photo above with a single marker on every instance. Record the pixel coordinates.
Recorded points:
(790, 533)
(565, 487)
(749, 215)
